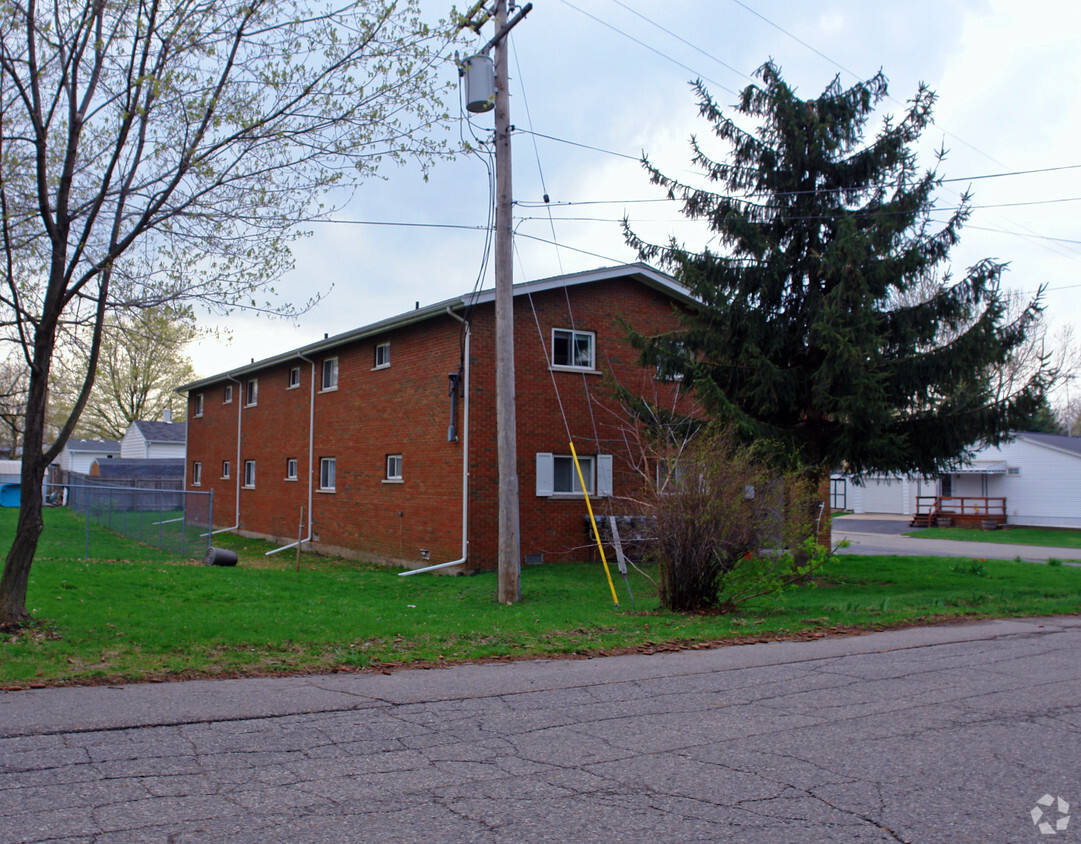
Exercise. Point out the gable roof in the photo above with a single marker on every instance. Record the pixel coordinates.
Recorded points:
(642, 273)
(93, 445)
(162, 432)
(1058, 442)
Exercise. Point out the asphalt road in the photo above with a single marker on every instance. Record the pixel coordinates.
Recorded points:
(947, 734)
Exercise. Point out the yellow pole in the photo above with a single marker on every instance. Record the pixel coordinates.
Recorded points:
(593, 521)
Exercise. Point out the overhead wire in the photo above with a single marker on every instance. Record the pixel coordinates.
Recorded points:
(536, 151)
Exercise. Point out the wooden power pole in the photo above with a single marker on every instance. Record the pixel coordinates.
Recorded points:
(505, 420)
(509, 588)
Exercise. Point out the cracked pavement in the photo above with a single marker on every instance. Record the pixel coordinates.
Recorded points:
(944, 734)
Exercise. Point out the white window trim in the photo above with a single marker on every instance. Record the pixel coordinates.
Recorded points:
(601, 479)
(196, 473)
(393, 479)
(198, 401)
(323, 388)
(247, 484)
(228, 399)
(386, 364)
(226, 470)
(295, 467)
(323, 461)
(564, 367)
(254, 384)
(289, 384)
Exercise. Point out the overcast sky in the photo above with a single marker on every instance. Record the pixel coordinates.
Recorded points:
(606, 74)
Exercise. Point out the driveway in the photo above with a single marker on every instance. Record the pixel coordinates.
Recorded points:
(882, 534)
(962, 733)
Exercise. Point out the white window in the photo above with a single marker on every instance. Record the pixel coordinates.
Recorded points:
(330, 374)
(225, 468)
(394, 467)
(197, 402)
(249, 474)
(196, 473)
(572, 349)
(294, 378)
(251, 392)
(228, 394)
(382, 356)
(291, 469)
(556, 475)
(326, 473)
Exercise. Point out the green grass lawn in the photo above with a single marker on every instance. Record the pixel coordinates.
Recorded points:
(1044, 537)
(141, 616)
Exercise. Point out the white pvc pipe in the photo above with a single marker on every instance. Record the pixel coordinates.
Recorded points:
(465, 466)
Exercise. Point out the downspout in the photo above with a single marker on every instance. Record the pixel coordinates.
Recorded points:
(465, 464)
(311, 454)
(238, 468)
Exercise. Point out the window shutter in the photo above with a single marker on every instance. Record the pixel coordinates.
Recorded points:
(545, 474)
(604, 475)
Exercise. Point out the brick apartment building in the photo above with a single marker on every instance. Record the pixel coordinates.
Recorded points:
(360, 441)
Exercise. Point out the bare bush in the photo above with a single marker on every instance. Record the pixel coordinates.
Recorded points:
(727, 525)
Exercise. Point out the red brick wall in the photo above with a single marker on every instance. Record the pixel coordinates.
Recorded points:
(556, 528)
(405, 409)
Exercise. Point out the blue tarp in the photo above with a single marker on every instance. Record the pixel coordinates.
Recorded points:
(9, 495)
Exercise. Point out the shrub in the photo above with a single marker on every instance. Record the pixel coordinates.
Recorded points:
(726, 526)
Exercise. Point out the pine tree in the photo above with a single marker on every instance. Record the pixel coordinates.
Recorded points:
(808, 334)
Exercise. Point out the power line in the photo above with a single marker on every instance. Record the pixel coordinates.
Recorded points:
(682, 40)
(652, 49)
(857, 76)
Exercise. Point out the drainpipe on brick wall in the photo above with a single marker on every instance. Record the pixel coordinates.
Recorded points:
(465, 464)
(238, 468)
(311, 453)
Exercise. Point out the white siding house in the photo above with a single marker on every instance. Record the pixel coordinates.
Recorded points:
(79, 455)
(882, 494)
(1039, 475)
(154, 440)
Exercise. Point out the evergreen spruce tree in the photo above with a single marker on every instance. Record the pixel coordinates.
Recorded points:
(808, 334)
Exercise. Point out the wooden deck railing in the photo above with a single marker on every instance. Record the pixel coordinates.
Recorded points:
(960, 508)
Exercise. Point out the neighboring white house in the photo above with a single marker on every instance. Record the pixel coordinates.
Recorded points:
(154, 440)
(78, 455)
(1039, 475)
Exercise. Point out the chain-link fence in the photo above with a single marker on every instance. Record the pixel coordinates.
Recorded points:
(155, 512)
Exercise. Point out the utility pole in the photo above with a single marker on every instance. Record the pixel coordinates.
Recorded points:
(509, 560)
(506, 423)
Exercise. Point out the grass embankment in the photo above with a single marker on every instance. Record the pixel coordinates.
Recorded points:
(1043, 537)
(144, 617)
